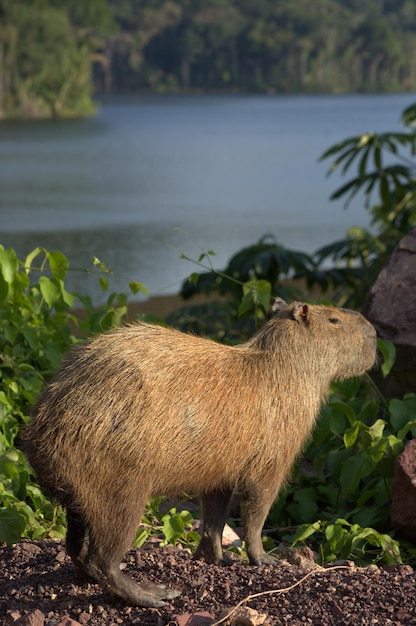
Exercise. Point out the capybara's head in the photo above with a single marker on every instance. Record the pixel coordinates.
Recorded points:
(340, 342)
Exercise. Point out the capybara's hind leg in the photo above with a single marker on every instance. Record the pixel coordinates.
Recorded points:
(215, 506)
(108, 542)
(106, 571)
(77, 538)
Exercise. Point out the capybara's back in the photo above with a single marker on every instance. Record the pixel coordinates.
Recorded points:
(145, 410)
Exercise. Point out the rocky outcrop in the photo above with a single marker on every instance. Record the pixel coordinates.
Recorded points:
(403, 510)
(391, 308)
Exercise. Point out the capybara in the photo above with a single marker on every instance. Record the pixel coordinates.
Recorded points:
(145, 410)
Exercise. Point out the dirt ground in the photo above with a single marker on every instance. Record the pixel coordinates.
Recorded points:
(39, 587)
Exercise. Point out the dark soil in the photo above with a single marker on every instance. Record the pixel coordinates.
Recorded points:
(38, 586)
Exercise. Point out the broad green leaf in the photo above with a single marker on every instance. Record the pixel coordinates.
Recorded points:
(59, 264)
(377, 429)
(4, 400)
(8, 264)
(12, 525)
(353, 471)
(104, 284)
(173, 527)
(141, 537)
(388, 352)
(50, 290)
(409, 427)
(67, 297)
(58, 531)
(305, 531)
(193, 278)
(402, 411)
(351, 434)
(256, 293)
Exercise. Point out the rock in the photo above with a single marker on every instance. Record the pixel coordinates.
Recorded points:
(29, 548)
(230, 537)
(391, 309)
(34, 618)
(403, 508)
(68, 621)
(12, 617)
(194, 619)
(244, 616)
(301, 557)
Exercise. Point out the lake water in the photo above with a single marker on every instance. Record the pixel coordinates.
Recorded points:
(150, 178)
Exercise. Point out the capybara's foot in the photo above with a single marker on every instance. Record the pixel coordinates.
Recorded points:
(263, 558)
(144, 594)
(211, 552)
(150, 595)
(223, 560)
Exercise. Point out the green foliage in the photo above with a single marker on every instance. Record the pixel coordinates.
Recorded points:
(167, 525)
(280, 46)
(342, 540)
(247, 284)
(38, 324)
(45, 57)
(52, 50)
(386, 176)
(346, 475)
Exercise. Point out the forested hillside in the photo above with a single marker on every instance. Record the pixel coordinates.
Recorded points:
(55, 53)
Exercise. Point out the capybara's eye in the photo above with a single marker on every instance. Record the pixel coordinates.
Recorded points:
(334, 320)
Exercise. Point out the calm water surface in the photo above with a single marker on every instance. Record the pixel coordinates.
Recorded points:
(124, 185)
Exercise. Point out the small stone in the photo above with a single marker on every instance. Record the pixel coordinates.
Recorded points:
(68, 621)
(230, 537)
(61, 556)
(34, 618)
(194, 619)
(373, 568)
(12, 616)
(243, 616)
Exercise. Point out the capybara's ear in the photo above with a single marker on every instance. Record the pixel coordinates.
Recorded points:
(300, 312)
(278, 305)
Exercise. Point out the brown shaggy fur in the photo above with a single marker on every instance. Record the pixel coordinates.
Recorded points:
(146, 410)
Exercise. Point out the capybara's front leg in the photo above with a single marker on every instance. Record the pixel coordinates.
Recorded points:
(255, 508)
(215, 506)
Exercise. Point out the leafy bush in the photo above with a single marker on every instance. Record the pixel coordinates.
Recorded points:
(344, 479)
(386, 176)
(38, 324)
(243, 288)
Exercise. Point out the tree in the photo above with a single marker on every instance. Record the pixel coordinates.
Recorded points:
(45, 57)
